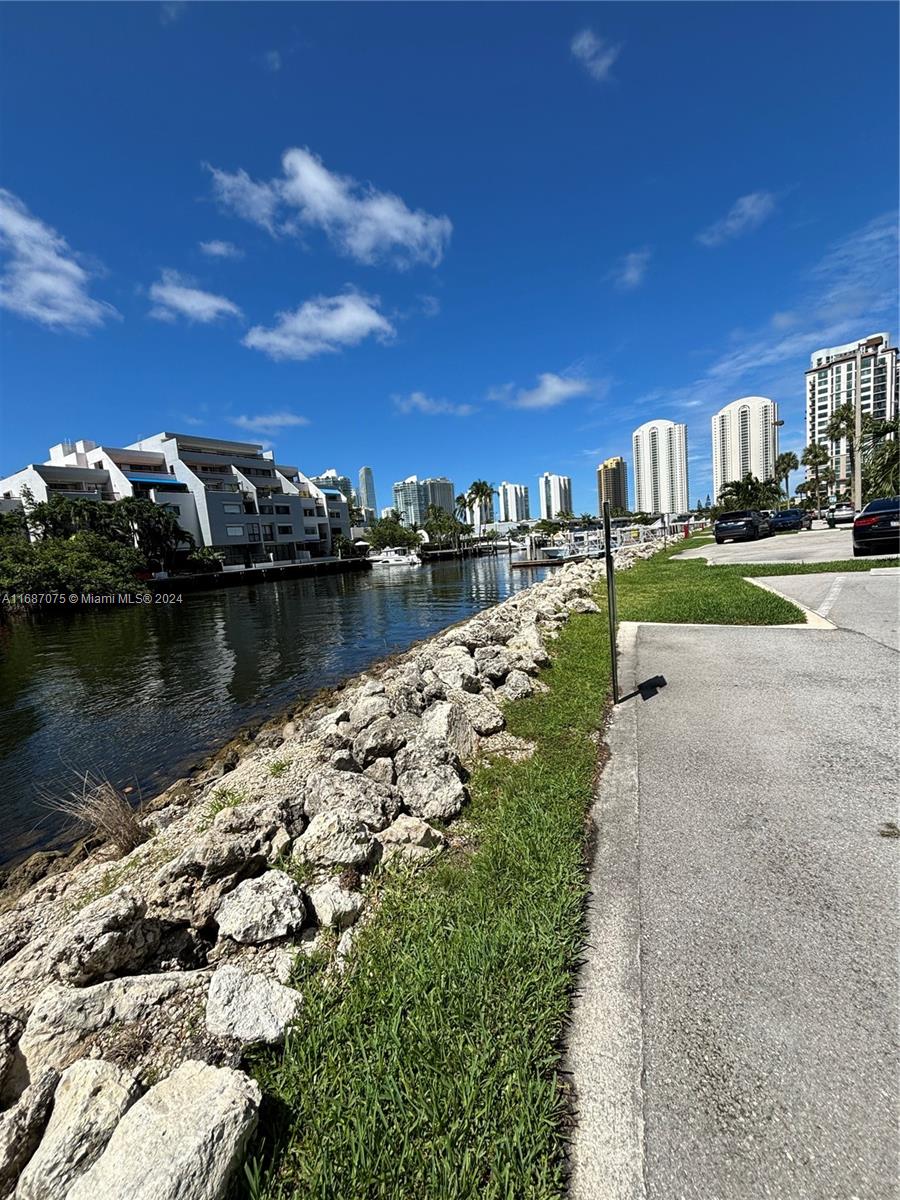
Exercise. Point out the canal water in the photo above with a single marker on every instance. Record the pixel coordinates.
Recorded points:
(139, 694)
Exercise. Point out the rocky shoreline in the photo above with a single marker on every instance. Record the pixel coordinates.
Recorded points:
(132, 987)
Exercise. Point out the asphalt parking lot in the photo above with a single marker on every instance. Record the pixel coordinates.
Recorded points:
(868, 602)
(819, 544)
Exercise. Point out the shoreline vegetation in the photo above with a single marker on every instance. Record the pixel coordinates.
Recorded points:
(394, 975)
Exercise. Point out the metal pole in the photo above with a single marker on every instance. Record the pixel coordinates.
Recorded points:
(857, 428)
(611, 600)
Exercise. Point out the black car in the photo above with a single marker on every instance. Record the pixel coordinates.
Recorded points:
(877, 528)
(790, 518)
(746, 524)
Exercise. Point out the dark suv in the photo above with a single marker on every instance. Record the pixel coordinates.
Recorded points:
(746, 524)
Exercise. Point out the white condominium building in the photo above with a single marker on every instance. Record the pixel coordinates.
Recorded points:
(331, 479)
(556, 495)
(414, 496)
(660, 467)
(231, 496)
(514, 502)
(744, 440)
(832, 380)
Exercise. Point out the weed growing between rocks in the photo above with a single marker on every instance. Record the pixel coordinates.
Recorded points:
(430, 1068)
(100, 808)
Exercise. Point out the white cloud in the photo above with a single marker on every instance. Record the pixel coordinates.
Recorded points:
(431, 306)
(42, 279)
(175, 296)
(629, 271)
(217, 249)
(362, 222)
(323, 325)
(745, 215)
(272, 60)
(595, 55)
(268, 423)
(418, 402)
(549, 392)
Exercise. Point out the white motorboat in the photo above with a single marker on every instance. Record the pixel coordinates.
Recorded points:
(395, 556)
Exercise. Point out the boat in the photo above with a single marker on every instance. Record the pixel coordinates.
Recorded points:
(395, 556)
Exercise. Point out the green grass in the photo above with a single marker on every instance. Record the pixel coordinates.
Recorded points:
(431, 1071)
(694, 593)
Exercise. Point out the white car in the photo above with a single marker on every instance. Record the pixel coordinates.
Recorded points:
(841, 514)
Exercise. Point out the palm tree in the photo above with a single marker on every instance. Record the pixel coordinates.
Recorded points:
(815, 457)
(462, 505)
(842, 427)
(480, 496)
(748, 493)
(784, 464)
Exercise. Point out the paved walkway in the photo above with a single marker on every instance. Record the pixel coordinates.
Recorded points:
(867, 602)
(735, 1033)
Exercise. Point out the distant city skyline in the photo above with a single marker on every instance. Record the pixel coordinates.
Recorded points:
(303, 260)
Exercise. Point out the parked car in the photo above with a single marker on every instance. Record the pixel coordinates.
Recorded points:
(790, 518)
(877, 528)
(840, 514)
(745, 524)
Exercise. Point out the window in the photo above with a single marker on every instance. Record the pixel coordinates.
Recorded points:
(310, 532)
(234, 530)
(268, 532)
(253, 531)
(309, 512)
(282, 509)
(231, 508)
(285, 529)
(266, 510)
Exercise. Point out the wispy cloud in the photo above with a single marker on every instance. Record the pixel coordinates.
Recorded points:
(171, 11)
(628, 273)
(418, 402)
(175, 295)
(844, 296)
(746, 214)
(431, 306)
(323, 325)
(217, 249)
(273, 61)
(361, 222)
(550, 391)
(268, 424)
(596, 55)
(42, 279)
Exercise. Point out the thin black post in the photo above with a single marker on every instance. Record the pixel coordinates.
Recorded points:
(611, 600)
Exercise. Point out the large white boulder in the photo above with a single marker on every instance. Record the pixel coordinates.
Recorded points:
(336, 839)
(21, 1127)
(261, 910)
(183, 1140)
(335, 907)
(249, 1008)
(89, 1101)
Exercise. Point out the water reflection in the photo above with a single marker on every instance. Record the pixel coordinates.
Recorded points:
(138, 693)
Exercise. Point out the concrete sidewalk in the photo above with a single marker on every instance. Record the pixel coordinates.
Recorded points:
(734, 1036)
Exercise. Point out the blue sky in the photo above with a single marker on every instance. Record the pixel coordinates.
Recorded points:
(476, 240)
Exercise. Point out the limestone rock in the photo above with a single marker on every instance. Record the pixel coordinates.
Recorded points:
(373, 803)
(448, 723)
(530, 644)
(261, 910)
(369, 708)
(334, 906)
(21, 1127)
(336, 839)
(381, 770)
(517, 686)
(89, 1100)
(456, 667)
(190, 887)
(495, 662)
(10, 1030)
(64, 1019)
(380, 739)
(249, 1008)
(583, 604)
(343, 760)
(410, 838)
(483, 715)
(183, 1140)
(428, 781)
(107, 937)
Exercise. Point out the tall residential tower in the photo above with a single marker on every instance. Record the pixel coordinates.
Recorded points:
(366, 491)
(744, 440)
(514, 502)
(660, 467)
(556, 495)
(612, 484)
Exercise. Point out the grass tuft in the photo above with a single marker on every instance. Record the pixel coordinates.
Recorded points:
(100, 808)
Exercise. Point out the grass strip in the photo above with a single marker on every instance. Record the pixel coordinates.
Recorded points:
(430, 1070)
